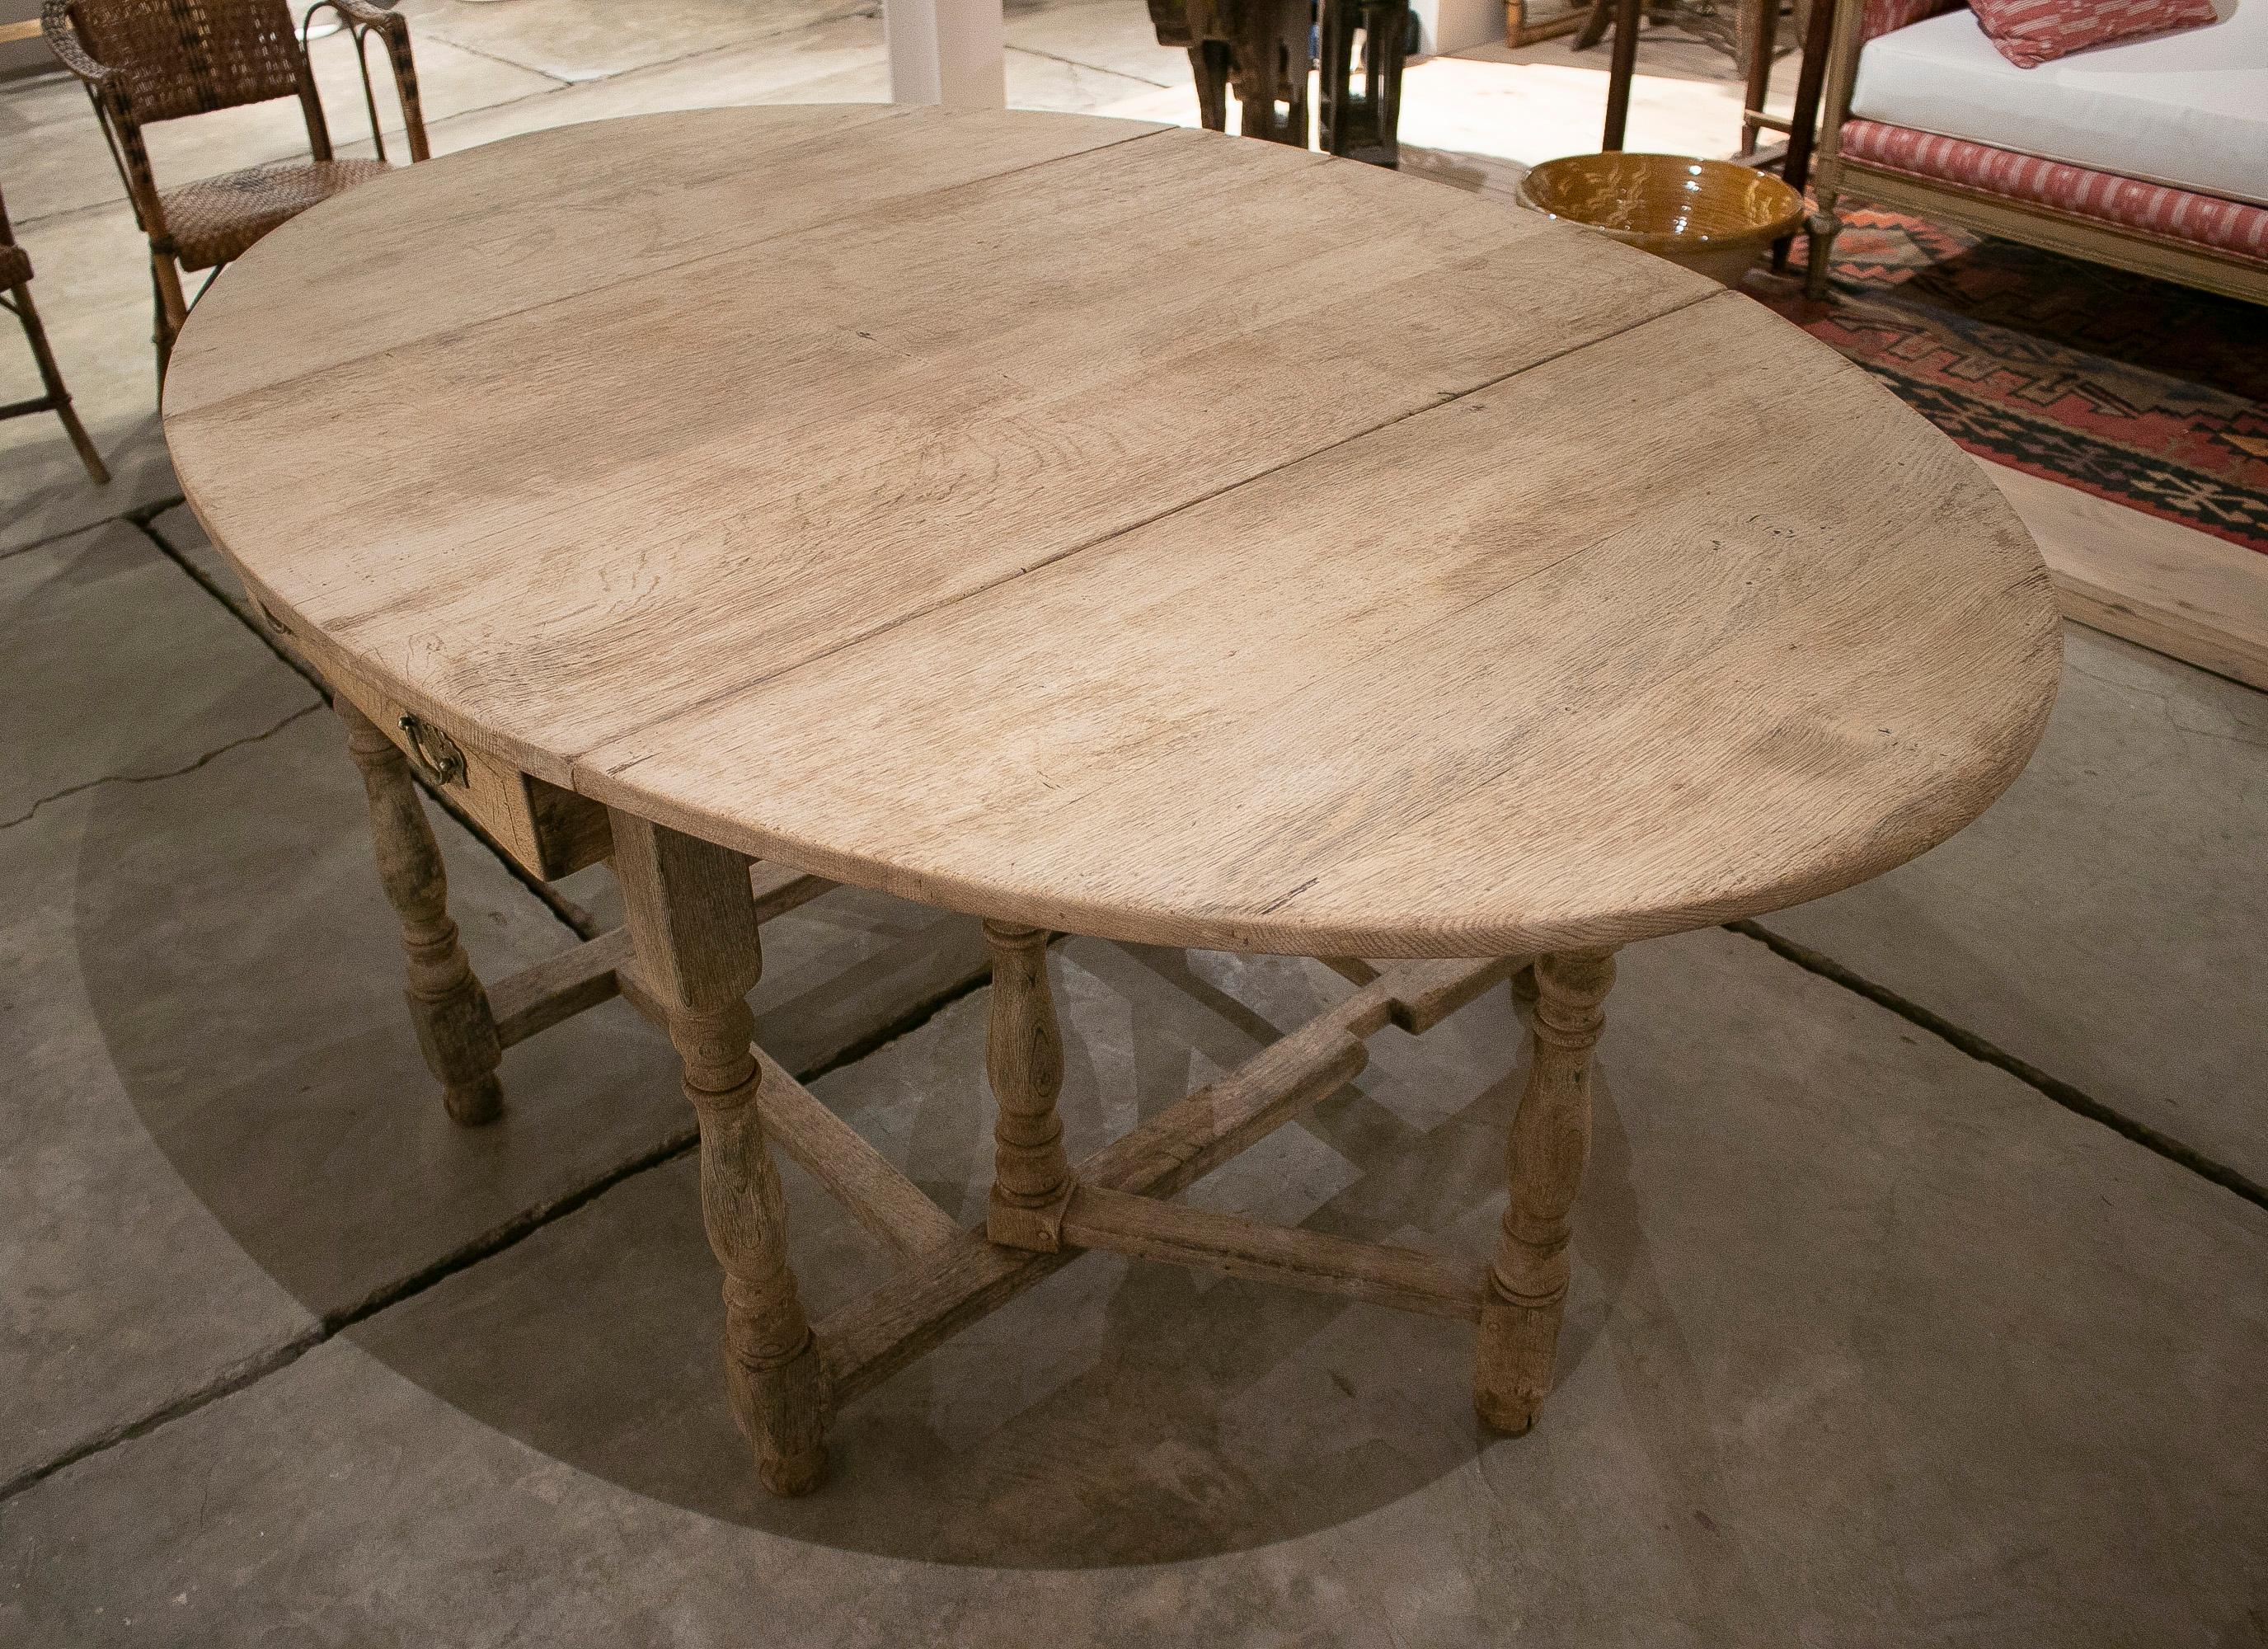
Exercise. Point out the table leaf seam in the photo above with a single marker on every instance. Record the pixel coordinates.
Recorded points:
(197, 413)
(577, 763)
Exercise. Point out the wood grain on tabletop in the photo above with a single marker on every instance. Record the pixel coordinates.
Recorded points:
(1177, 538)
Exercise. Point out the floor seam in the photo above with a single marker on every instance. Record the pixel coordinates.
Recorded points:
(248, 1372)
(1075, 62)
(57, 538)
(2072, 1098)
(557, 81)
(498, 1238)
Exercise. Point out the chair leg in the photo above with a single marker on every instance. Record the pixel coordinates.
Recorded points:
(1823, 227)
(1759, 33)
(1551, 1137)
(1621, 68)
(455, 1026)
(51, 375)
(173, 307)
(1024, 1060)
(1810, 81)
(693, 927)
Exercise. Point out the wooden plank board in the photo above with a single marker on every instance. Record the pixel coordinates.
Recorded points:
(559, 987)
(2187, 594)
(778, 890)
(862, 1179)
(922, 398)
(1689, 683)
(952, 1286)
(518, 224)
(1184, 540)
(867, 1184)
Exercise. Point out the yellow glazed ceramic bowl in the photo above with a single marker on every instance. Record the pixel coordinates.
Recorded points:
(1711, 215)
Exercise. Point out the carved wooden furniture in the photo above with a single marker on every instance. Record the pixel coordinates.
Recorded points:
(1754, 46)
(156, 60)
(1362, 124)
(1260, 50)
(2176, 207)
(950, 503)
(16, 295)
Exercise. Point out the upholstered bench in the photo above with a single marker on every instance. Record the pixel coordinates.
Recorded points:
(2148, 154)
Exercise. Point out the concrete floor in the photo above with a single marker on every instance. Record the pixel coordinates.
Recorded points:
(1882, 1330)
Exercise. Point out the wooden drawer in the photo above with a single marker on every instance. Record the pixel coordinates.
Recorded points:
(550, 831)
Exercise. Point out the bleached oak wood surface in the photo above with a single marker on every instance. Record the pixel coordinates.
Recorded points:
(1126, 530)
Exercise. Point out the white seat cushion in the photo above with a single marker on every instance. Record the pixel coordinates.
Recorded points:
(2188, 109)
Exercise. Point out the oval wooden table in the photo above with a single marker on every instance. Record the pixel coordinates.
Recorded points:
(1099, 527)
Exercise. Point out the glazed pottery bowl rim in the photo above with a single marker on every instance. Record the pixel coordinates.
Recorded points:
(1784, 222)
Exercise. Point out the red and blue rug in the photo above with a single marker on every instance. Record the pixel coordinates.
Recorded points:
(2148, 395)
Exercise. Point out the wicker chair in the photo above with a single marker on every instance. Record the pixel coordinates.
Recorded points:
(16, 279)
(158, 59)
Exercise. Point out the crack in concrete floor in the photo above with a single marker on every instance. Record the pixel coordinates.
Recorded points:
(151, 778)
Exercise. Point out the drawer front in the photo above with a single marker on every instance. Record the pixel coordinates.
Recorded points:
(549, 831)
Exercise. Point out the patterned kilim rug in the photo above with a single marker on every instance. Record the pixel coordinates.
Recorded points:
(2148, 395)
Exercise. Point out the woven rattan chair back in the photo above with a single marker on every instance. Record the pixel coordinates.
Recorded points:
(176, 57)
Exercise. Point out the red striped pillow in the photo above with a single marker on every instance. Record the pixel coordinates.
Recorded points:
(2030, 32)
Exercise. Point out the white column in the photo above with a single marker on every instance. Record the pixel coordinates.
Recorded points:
(947, 51)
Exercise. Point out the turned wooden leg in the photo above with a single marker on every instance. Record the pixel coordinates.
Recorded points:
(693, 926)
(1822, 228)
(1550, 1136)
(447, 1006)
(1023, 1056)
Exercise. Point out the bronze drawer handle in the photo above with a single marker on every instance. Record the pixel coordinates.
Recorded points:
(433, 753)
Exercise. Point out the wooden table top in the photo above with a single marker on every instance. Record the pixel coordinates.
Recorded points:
(1117, 528)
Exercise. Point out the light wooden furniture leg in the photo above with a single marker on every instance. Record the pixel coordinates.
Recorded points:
(1848, 21)
(692, 920)
(1526, 1290)
(447, 1006)
(1024, 1058)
